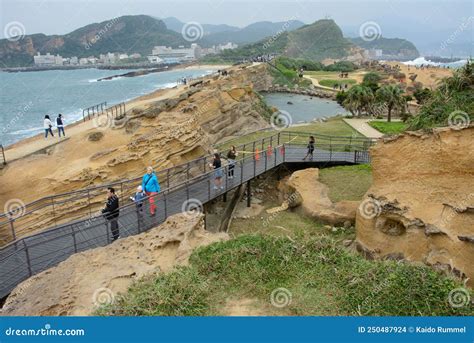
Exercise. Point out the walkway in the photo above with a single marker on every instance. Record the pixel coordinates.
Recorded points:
(32, 254)
(362, 126)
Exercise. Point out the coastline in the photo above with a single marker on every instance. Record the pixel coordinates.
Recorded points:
(20, 149)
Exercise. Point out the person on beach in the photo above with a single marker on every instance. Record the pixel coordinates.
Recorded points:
(47, 124)
(231, 156)
(216, 165)
(111, 212)
(151, 187)
(310, 147)
(60, 125)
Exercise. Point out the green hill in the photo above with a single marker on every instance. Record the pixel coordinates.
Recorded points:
(317, 41)
(126, 34)
(389, 46)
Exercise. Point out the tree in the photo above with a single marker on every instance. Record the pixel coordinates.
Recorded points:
(358, 99)
(372, 80)
(392, 97)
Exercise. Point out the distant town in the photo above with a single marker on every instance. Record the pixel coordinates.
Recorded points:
(159, 55)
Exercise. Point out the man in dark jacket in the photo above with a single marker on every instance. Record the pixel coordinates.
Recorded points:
(111, 212)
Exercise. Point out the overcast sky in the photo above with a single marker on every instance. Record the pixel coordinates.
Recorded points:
(417, 20)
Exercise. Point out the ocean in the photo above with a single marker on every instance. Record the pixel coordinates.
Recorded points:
(27, 97)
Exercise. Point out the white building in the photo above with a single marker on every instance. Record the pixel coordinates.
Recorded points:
(48, 60)
(83, 61)
(154, 59)
(135, 56)
(228, 46)
(171, 55)
(123, 56)
(74, 60)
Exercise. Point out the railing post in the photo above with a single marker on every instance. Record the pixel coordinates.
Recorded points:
(208, 189)
(168, 178)
(266, 156)
(187, 190)
(249, 194)
(278, 139)
(138, 218)
(242, 171)
(74, 238)
(12, 228)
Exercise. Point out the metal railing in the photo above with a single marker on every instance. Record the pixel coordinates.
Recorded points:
(116, 111)
(37, 252)
(93, 110)
(54, 211)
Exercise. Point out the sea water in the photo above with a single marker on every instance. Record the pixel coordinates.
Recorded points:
(26, 97)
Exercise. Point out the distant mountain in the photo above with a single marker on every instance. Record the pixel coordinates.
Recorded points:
(389, 46)
(317, 41)
(219, 34)
(127, 34)
(175, 24)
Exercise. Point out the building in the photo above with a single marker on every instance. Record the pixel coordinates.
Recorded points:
(228, 46)
(123, 56)
(135, 56)
(74, 60)
(48, 60)
(170, 55)
(155, 59)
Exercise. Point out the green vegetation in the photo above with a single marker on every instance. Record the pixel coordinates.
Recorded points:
(347, 182)
(322, 277)
(317, 41)
(334, 126)
(141, 32)
(390, 46)
(451, 103)
(391, 128)
(331, 83)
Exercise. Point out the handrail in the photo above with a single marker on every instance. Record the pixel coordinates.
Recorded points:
(180, 172)
(94, 109)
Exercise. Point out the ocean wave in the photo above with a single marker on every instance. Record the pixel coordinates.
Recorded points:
(23, 131)
(421, 60)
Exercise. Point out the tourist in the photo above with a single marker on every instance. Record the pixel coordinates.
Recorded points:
(151, 187)
(60, 125)
(231, 156)
(216, 165)
(310, 148)
(138, 199)
(47, 124)
(111, 212)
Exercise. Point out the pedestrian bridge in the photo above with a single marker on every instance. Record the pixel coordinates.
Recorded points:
(49, 230)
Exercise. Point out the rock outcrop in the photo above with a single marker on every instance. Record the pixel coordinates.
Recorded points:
(303, 190)
(85, 280)
(421, 204)
(157, 130)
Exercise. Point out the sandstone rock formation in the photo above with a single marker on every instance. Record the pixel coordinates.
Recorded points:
(85, 280)
(303, 190)
(158, 130)
(421, 204)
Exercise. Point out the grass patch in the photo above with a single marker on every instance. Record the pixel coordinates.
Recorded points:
(335, 126)
(336, 82)
(322, 277)
(387, 128)
(347, 182)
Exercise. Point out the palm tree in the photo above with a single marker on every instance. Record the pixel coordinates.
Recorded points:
(358, 98)
(392, 97)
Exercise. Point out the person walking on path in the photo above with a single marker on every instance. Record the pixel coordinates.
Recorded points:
(138, 199)
(111, 212)
(151, 187)
(216, 165)
(310, 148)
(60, 125)
(47, 124)
(231, 156)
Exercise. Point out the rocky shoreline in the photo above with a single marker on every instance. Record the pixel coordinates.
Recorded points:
(312, 91)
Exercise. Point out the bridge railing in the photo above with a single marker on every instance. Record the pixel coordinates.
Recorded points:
(54, 211)
(93, 110)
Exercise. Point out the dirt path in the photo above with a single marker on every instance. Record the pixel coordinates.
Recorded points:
(362, 126)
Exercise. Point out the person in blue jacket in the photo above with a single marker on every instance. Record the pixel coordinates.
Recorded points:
(151, 187)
